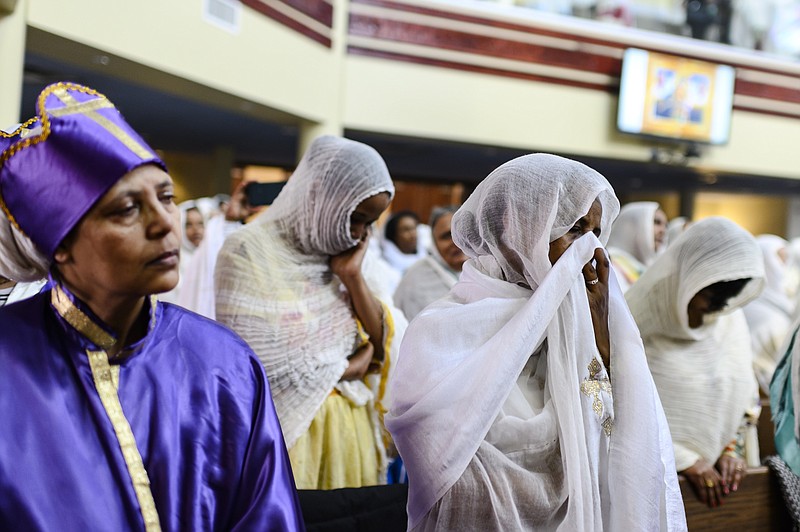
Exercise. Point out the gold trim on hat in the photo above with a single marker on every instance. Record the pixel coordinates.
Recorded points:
(72, 106)
(89, 110)
(21, 129)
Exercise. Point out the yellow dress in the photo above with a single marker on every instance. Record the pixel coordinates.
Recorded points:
(343, 446)
(338, 450)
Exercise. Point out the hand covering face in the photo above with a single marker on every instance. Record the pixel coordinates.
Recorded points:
(460, 384)
(275, 286)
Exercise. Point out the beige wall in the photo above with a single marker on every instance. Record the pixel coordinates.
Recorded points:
(275, 68)
(426, 101)
(265, 63)
(12, 58)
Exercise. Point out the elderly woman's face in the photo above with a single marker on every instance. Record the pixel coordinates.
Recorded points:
(589, 223)
(443, 240)
(128, 244)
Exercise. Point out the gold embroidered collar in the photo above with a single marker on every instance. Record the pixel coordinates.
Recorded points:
(85, 324)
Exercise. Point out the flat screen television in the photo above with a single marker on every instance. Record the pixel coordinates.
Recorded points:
(669, 97)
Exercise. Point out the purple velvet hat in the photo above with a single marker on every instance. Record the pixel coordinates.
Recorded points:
(55, 167)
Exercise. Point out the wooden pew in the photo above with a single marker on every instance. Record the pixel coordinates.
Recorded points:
(757, 505)
(766, 431)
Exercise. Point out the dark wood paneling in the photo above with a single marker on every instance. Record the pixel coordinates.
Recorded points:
(757, 506)
(287, 21)
(356, 50)
(487, 22)
(316, 9)
(580, 59)
(771, 92)
(421, 198)
(392, 30)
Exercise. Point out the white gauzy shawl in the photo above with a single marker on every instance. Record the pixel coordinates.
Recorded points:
(466, 380)
(632, 237)
(704, 375)
(188, 249)
(423, 283)
(197, 289)
(770, 314)
(275, 287)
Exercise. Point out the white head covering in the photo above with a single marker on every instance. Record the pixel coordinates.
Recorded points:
(633, 232)
(676, 227)
(460, 360)
(770, 314)
(188, 252)
(775, 269)
(704, 375)
(428, 279)
(203, 207)
(275, 286)
(333, 177)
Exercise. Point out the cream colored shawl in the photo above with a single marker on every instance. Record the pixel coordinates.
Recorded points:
(632, 239)
(466, 379)
(770, 314)
(275, 287)
(704, 375)
(425, 281)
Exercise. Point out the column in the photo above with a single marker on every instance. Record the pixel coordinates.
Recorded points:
(333, 124)
(12, 60)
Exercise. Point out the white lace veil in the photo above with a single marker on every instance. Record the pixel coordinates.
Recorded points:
(537, 201)
(775, 270)
(633, 231)
(718, 250)
(333, 177)
(704, 375)
(274, 285)
(462, 357)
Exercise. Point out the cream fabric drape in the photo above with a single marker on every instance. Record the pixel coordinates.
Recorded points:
(632, 238)
(425, 281)
(770, 314)
(188, 250)
(275, 287)
(704, 375)
(198, 293)
(397, 259)
(474, 412)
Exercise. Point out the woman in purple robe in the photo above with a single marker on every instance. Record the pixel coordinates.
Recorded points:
(118, 412)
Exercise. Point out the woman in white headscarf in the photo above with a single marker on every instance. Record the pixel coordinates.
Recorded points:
(502, 406)
(637, 237)
(291, 284)
(676, 227)
(688, 308)
(433, 276)
(192, 224)
(401, 245)
(770, 315)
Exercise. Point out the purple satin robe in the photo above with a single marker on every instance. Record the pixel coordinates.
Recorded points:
(199, 407)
